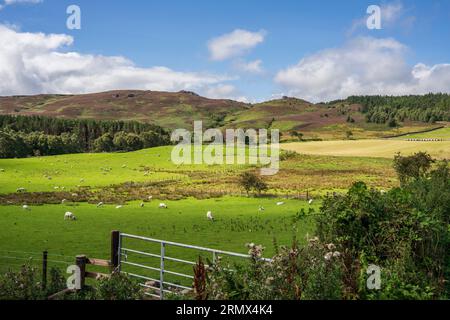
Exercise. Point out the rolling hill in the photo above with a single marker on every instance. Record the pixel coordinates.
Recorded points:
(180, 109)
(170, 110)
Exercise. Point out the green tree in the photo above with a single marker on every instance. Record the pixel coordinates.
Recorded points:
(250, 181)
(104, 143)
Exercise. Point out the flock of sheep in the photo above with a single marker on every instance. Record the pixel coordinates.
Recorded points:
(209, 215)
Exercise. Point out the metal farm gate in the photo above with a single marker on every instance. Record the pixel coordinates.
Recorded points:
(148, 259)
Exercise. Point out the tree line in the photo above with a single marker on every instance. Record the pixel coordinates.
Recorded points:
(394, 109)
(23, 136)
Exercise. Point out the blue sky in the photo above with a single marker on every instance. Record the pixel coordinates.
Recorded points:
(318, 50)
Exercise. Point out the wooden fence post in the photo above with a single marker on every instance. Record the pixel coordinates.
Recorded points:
(115, 243)
(81, 263)
(44, 269)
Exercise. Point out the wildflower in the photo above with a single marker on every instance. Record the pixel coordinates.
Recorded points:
(328, 256)
(336, 254)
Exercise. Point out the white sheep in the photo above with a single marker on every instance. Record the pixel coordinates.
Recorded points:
(119, 207)
(280, 203)
(163, 206)
(311, 201)
(150, 198)
(210, 216)
(100, 204)
(63, 201)
(70, 216)
(261, 208)
(25, 207)
(142, 205)
(20, 190)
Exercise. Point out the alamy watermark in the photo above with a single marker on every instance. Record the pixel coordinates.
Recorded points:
(73, 22)
(374, 20)
(374, 279)
(236, 146)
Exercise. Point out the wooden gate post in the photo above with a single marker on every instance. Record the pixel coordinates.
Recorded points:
(44, 269)
(115, 243)
(81, 263)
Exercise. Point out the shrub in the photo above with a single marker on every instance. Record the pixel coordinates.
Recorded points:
(404, 231)
(311, 272)
(26, 285)
(250, 181)
(118, 287)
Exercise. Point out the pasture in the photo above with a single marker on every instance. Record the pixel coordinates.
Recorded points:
(128, 179)
(370, 148)
(443, 133)
(237, 221)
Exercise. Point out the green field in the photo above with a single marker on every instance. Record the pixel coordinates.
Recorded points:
(443, 133)
(371, 148)
(238, 221)
(127, 179)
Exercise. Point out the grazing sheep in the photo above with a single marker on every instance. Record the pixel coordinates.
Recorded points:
(311, 201)
(63, 201)
(150, 198)
(210, 216)
(280, 203)
(100, 204)
(25, 207)
(142, 204)
(119, 207)
(261, 208)
(69, 216)
(163, 206)
(21, 190)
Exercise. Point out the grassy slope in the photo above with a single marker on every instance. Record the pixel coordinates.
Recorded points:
(72, 172)
(371, 148)
(170, 110)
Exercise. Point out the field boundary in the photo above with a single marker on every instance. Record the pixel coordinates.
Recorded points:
(414, 132)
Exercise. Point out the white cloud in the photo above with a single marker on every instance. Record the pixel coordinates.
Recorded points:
(363, 66)
(11, 2)
(225, 91)
(234, 44)
(32, 63)
(251, 67)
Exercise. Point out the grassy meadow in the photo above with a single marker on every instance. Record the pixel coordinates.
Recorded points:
(128, 179)
(237, 221)
(386, 148)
